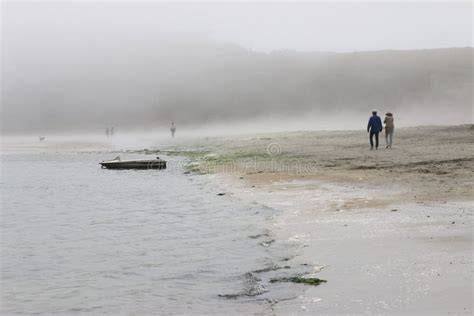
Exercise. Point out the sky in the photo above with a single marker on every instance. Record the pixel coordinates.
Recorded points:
(264, 26)
(342, 27)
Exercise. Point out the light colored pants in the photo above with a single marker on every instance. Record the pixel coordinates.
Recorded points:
(389, 136)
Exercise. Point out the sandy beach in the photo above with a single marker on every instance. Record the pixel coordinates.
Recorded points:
(213, 158)
(390, 230)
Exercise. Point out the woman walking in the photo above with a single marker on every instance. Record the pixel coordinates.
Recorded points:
(389, 127)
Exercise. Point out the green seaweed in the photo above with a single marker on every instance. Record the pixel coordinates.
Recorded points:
(308, 281)
(204, 161)
(193, 154)
(194, 168)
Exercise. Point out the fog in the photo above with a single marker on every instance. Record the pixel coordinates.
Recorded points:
(80, 67)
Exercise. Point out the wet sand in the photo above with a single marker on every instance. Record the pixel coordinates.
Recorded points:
(392, 228)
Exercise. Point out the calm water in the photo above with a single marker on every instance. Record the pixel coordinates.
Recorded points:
(78, 238)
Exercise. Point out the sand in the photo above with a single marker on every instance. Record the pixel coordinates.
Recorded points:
(392, 228)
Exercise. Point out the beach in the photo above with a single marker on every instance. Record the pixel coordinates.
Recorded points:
(212, 158)
(390, 229)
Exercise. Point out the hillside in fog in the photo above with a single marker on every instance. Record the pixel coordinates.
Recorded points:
(143, 86)
(198, 84)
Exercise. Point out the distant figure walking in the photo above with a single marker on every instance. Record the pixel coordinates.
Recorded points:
(112, 131)
(374, 128)
(107, 132)
(389, 128)
(172, 129)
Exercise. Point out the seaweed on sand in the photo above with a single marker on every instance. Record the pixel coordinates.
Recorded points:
(308, 281)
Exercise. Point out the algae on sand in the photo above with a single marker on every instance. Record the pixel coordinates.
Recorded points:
(309, 281)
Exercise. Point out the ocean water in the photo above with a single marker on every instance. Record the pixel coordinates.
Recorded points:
(78, 238)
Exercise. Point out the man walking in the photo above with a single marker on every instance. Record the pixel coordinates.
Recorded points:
(374, 128)
(172, 129)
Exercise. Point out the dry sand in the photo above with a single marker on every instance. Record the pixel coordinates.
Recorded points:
(393, 227)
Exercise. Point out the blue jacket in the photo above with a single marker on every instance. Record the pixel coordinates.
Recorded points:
(375, 124)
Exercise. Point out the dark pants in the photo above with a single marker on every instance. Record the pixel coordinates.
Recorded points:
(376, 139)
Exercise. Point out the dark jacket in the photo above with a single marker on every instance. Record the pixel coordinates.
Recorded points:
(375, 124)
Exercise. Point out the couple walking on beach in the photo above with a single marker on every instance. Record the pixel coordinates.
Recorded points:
(109, 132)
(375, 127)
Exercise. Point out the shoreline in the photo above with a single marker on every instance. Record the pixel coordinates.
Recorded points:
(404, 257)
(398, 246)
(390, 230)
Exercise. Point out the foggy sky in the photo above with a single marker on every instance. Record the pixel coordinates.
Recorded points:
(81, 65)
(264, 26)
